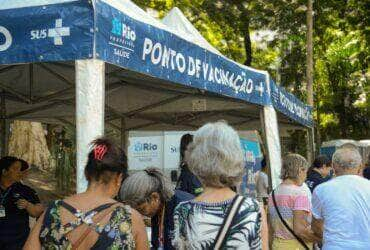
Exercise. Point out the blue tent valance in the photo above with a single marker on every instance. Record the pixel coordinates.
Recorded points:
(74, 30)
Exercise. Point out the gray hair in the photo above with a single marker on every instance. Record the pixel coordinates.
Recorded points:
(138, 187)
(347, 158)
(292, 164)
(215, 155)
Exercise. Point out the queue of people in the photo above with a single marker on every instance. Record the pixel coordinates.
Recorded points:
(335, 217)
(218, 218)
(341, 207)
(203, 211)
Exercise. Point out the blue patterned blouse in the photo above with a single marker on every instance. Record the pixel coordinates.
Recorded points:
(197, 225)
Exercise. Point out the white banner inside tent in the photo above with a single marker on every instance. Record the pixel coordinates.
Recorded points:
(154, 149)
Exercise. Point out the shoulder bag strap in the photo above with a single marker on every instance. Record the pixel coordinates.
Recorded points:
(286, 224)
(226, 224)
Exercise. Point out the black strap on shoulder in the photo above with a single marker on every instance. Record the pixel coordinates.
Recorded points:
(74, 211)
(226, 218)
(98, 209)
(68, 207)
(286, 224)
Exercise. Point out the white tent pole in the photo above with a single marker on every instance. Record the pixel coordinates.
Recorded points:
(272, 140)
(90, 101)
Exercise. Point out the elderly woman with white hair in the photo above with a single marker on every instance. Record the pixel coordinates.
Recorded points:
(218, 218)
(152, 194)
(290, 207)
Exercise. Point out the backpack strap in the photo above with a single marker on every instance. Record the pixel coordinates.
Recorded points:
(286, 224)
(227, 222)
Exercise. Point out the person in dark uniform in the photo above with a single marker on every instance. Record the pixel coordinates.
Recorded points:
(319, 172)
(187, 182)
(17, 203)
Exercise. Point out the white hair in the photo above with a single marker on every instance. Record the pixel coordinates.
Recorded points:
(138, 187)
(215, 156)
(347, 158)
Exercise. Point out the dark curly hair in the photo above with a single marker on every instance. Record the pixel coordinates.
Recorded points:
(320, 161)
(113, 161)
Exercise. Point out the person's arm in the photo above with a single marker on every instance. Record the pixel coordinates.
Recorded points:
(138, 231)
(317, 227)
(264, 230)
(302, 228)
(35, 210)
(301, 210)
(266, 182)
(317, 215)
(33, 241)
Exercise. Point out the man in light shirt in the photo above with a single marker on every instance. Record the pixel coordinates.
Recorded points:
(341, 206)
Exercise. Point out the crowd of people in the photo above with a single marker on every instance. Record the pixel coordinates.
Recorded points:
(323, 206)
(337, 213)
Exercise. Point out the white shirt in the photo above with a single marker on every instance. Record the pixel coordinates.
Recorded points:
(262, 185)
(307, 190)
(343, 203)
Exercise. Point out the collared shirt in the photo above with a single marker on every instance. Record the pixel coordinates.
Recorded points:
(15, 225)
(343, 203)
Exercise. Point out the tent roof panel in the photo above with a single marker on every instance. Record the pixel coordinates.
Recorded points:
(14, 4)
(53, 81)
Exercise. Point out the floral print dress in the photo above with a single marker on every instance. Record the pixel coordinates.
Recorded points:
(116, 234)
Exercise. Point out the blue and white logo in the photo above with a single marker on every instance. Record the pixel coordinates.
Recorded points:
(57, 33)
(138, 147)
(7, 37)
(122, 38)
(121, 29)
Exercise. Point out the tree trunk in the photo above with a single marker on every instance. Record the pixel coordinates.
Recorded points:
(27, 141)
(247, 45)
(309, 75)
(244, 16)
(309, 69)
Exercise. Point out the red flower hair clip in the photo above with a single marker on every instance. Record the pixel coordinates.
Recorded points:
(100, 151)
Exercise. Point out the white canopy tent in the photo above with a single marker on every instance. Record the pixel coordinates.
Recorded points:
(68, 66)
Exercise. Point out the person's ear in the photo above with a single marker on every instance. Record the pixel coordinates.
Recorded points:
(155, 196)
(118, 179)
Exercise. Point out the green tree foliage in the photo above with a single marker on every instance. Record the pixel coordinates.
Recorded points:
(341, 50)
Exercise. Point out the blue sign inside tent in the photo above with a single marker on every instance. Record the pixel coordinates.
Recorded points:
(56, 32)
(253, 158)
(291, 106)
(141, 47)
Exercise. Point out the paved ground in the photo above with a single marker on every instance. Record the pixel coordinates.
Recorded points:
(45, 185)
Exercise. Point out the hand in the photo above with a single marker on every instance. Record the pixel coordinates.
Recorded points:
(22, 204)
